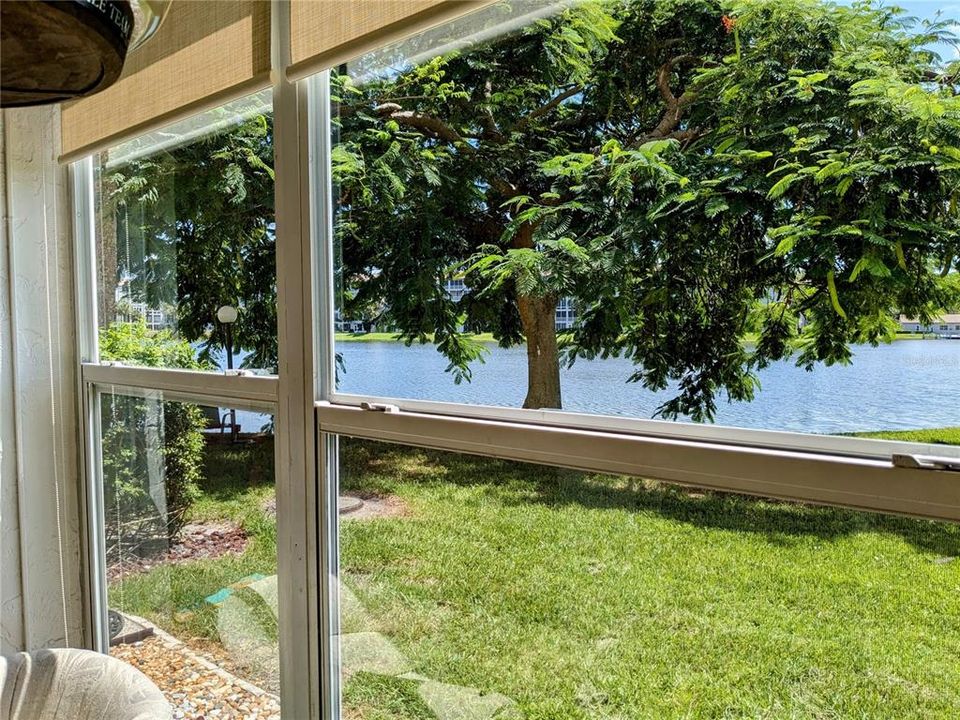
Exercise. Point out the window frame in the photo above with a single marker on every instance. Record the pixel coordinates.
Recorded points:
(310, 413)
(287, 396)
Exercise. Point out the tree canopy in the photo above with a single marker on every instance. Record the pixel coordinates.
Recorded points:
(687, 171)
(194, 230)
(684, 170)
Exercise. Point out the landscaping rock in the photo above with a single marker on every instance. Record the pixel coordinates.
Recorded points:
(193, 686)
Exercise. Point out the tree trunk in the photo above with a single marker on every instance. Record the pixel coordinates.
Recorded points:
(538, 317)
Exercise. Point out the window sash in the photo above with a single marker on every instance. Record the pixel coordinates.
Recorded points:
(860, 483)
(839, 445)
(229, 387)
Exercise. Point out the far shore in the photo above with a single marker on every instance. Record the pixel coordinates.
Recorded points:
(749, 339)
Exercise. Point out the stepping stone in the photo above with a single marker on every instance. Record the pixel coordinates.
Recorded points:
(373, 653)
(455, 702)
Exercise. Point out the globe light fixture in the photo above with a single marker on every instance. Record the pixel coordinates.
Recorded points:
(227, 314)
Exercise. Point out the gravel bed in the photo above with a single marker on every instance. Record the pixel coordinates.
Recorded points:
(194, 687)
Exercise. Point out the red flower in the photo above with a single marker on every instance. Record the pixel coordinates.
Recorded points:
(728, 23)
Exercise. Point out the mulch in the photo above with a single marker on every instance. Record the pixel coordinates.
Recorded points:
(194, 687)
(198, 541)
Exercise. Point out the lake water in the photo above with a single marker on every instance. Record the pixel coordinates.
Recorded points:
(903, 385)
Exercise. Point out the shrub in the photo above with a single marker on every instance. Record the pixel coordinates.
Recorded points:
(152, 451)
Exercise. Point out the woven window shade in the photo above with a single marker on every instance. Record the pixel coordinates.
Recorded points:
(204, 54)
(325, 33)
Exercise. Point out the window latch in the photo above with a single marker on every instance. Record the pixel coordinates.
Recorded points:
(926, 462)
(379, 407)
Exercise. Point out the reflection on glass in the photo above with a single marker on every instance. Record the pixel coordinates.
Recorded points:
(479, 588)
(648, 209)
(185, 226)
(190, 530)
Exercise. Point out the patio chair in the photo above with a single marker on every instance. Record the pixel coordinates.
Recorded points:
(69, 684)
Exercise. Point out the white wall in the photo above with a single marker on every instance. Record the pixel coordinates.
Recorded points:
(40, 522)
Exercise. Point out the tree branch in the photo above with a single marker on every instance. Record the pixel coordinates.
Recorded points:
(431, 125)
(437, 128)
(674, 110)
(490, 129)
(547, 107)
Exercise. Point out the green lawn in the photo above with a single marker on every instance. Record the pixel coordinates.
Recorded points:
(585, 596)
(939, 436)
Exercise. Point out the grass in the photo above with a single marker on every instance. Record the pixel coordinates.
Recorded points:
(938, 436)
(587, 596)
(583, 596)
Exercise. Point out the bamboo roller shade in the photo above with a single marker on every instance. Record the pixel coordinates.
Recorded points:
(204, 54)
(325, 33)
(211, 51)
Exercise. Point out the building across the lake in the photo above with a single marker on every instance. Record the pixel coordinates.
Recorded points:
(948, 324)
(566, 309)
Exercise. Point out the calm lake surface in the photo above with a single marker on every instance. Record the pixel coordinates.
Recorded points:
(907, 384)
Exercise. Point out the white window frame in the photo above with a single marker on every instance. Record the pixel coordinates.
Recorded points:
(288, 396)
(310, 414)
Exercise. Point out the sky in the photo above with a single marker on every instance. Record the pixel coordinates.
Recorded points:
(927, 10)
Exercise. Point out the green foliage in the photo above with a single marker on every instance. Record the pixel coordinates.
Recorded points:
(134, 343)
(195, 230)
(152, 451)
(795, 177)
(668, 176)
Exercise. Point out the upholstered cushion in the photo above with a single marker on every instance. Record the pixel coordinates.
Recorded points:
(76, 685)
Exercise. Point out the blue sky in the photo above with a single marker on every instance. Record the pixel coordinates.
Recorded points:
(927, 9)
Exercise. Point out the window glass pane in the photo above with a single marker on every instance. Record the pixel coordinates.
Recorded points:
(473, 586)
(185, 226)
(191, 551)
(669, 210)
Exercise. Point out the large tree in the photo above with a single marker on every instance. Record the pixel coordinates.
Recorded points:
(688, 171)
(684, 169)
(191, 228)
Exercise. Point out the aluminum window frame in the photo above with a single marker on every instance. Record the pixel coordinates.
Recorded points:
(867, 484)
(288, 396)
(310, 413)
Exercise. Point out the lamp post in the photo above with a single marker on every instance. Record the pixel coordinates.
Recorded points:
(227, 315)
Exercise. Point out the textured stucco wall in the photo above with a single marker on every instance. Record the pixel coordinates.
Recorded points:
(40, 571)
(11, 607)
